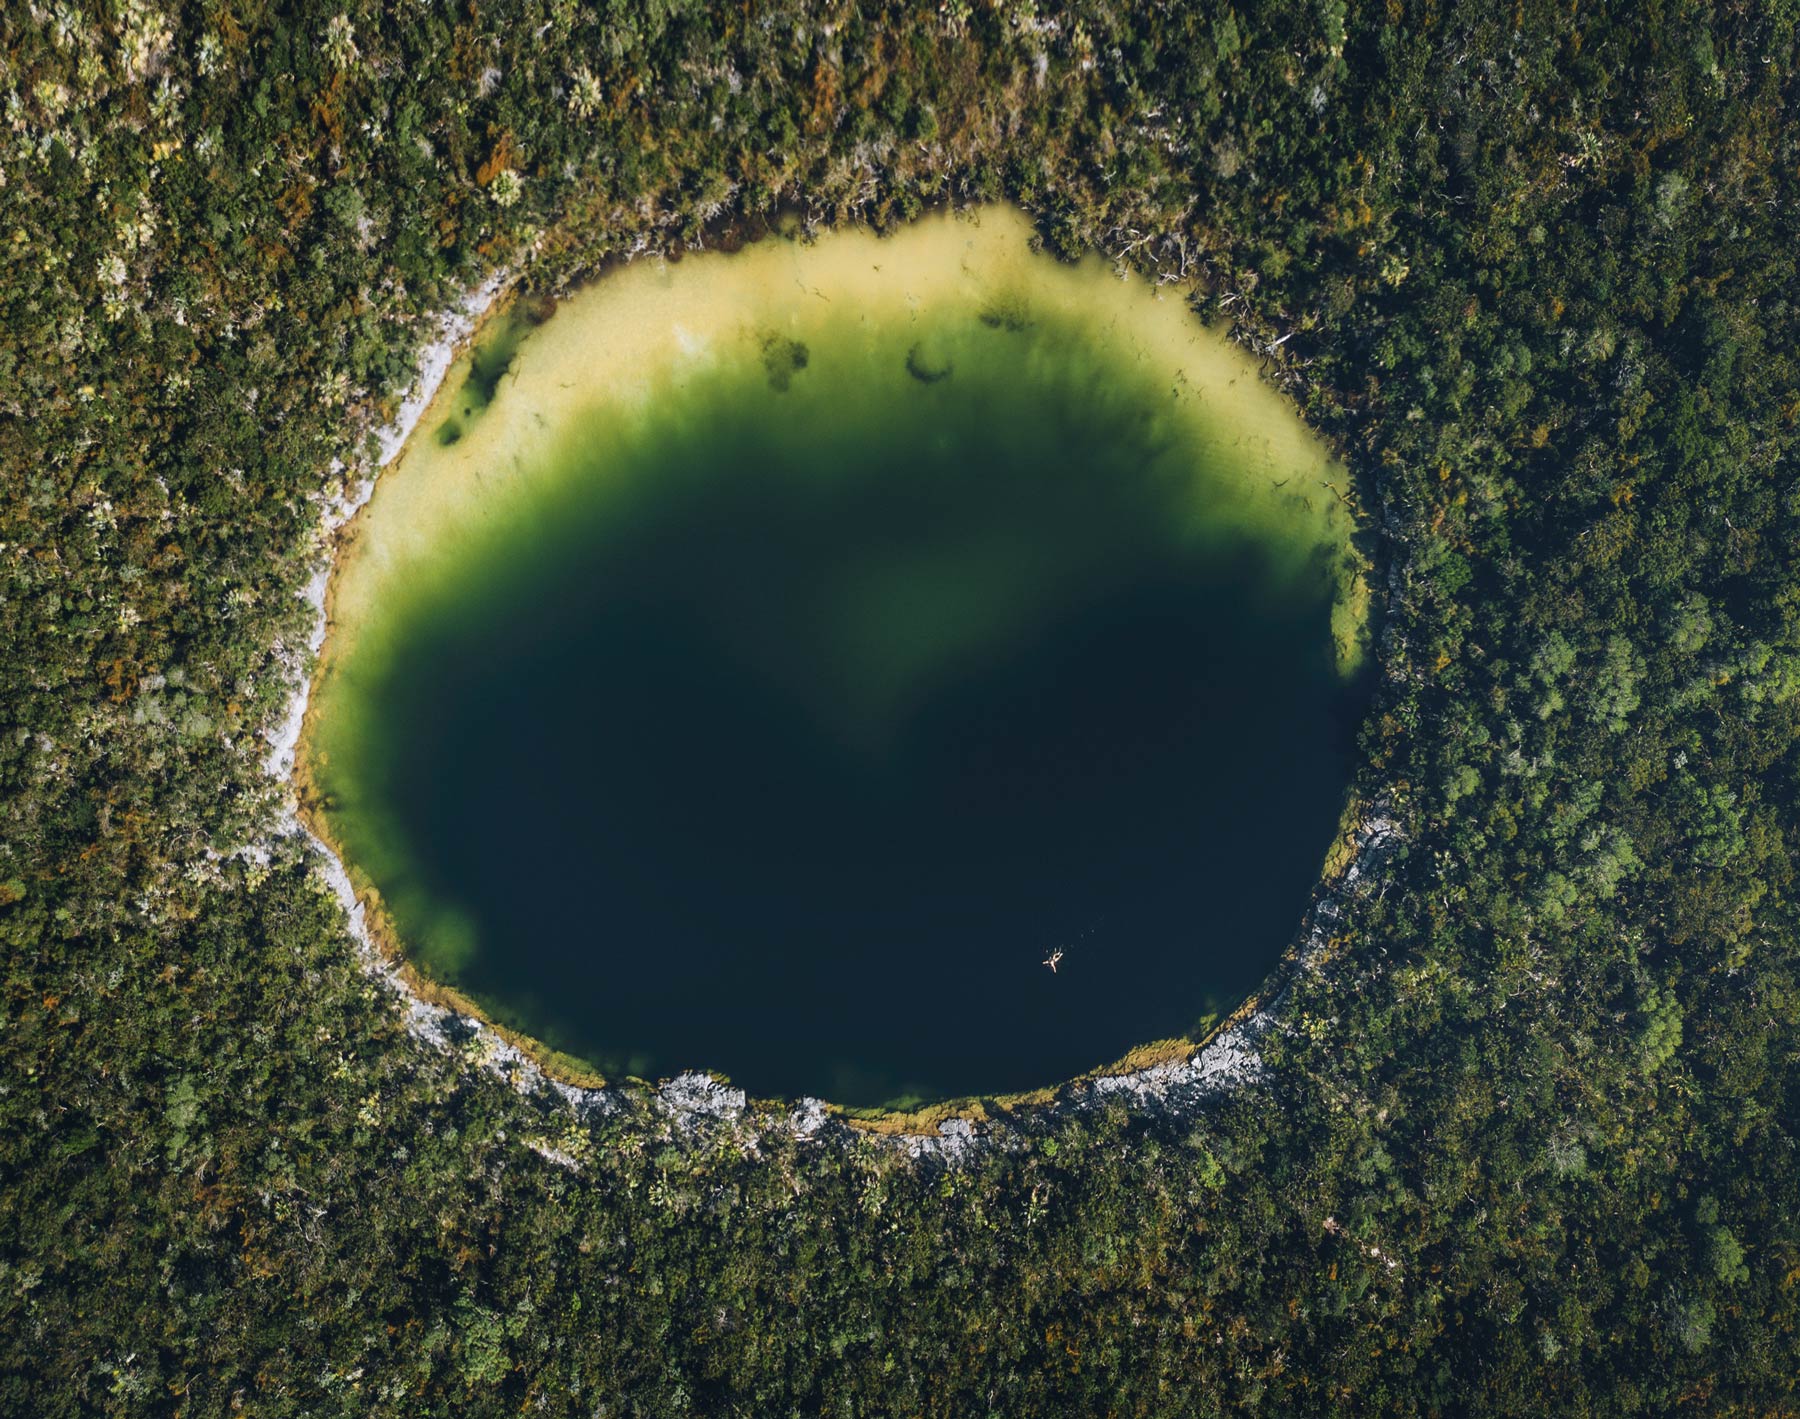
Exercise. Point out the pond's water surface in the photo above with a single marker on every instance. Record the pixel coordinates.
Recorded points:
(778, 658)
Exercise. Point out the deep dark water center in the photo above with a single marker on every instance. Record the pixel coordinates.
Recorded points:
(790, 732)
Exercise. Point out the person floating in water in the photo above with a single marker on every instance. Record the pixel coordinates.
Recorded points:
(1053, 958)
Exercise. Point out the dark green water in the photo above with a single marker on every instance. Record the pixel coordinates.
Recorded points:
(857, 681)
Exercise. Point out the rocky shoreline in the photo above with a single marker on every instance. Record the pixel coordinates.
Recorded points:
(1226, 1063)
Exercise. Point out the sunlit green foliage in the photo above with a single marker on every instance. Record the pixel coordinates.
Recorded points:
(1532, 267)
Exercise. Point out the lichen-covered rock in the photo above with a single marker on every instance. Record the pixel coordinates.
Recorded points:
(694, 1093)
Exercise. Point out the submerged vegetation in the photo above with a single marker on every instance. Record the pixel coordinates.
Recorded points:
(1524, 1136)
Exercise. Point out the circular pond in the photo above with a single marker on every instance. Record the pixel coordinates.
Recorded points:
(881, 669)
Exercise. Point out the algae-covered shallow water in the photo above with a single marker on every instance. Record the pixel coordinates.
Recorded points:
(764, 664)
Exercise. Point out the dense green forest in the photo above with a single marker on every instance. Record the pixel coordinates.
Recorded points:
(1526, 1138)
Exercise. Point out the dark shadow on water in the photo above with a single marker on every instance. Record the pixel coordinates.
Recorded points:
(489, 361)
(796, 761)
